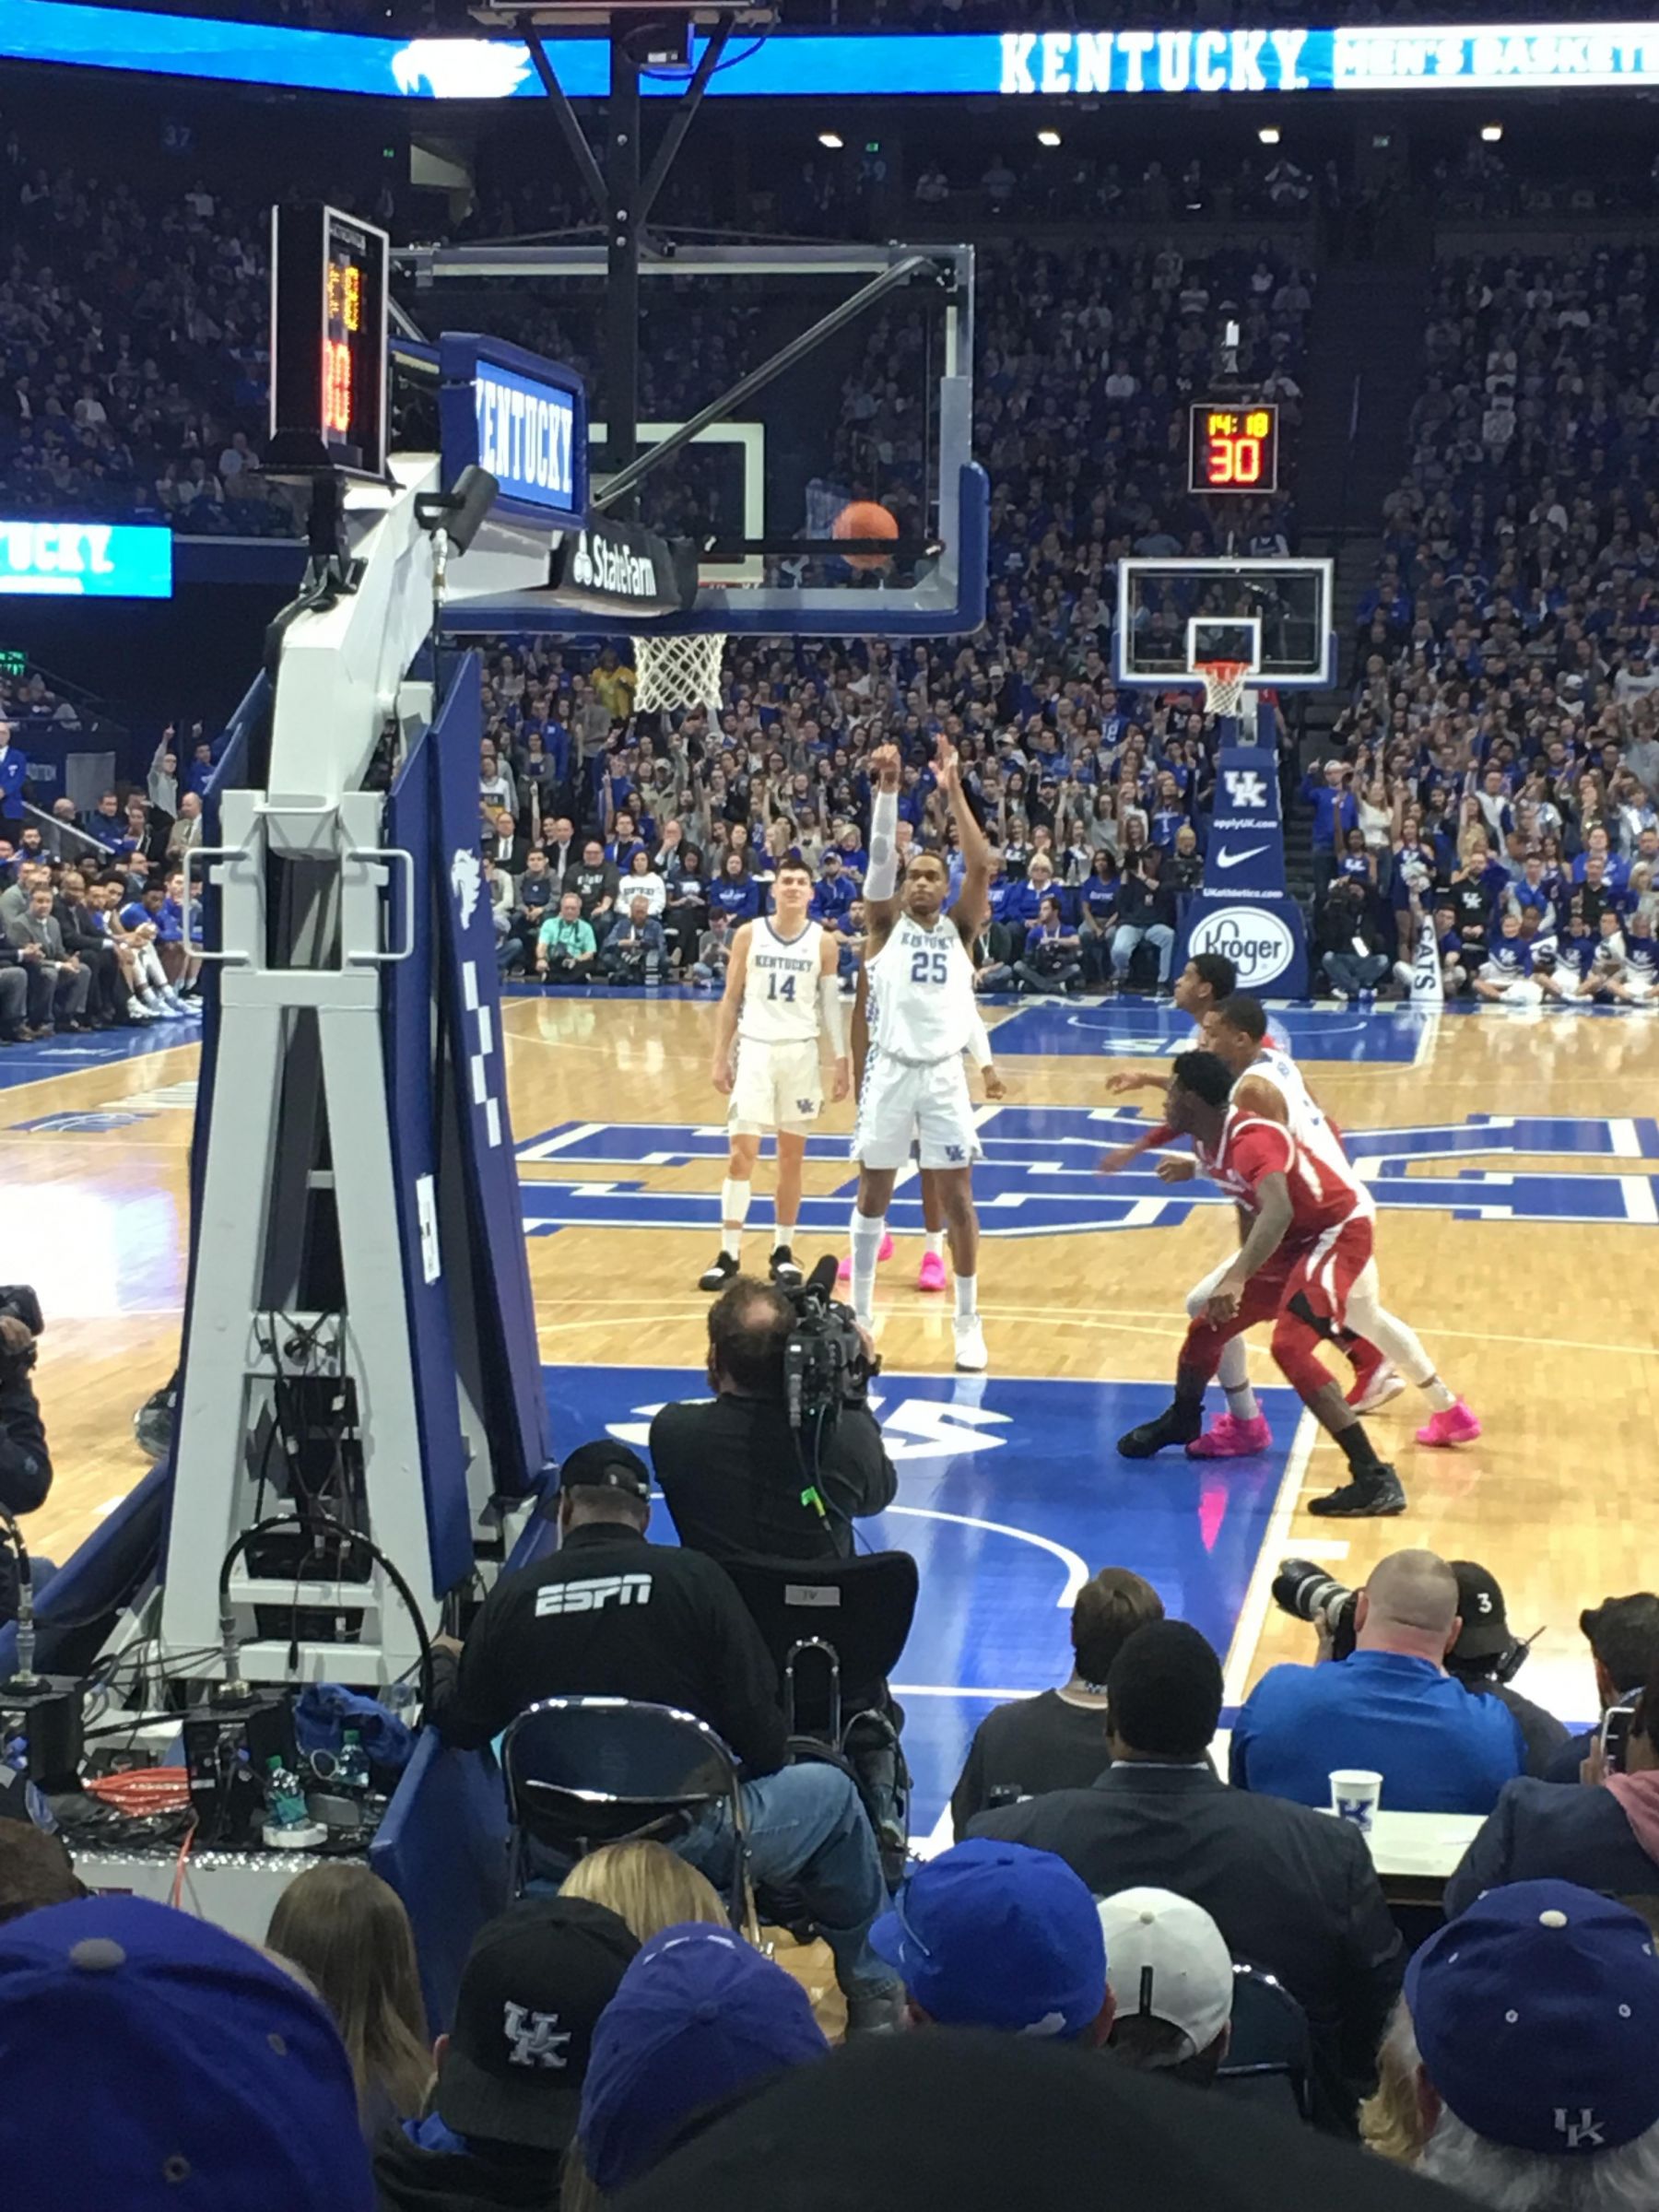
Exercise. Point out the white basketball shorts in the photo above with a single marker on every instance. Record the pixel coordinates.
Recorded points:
(778, 1086)
(902, 1104)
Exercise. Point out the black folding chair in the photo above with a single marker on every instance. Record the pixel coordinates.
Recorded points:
(581, 1772)
(836, 1630)
(1270, 2053)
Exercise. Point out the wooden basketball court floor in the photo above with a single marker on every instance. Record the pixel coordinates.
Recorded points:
(1514, 1156)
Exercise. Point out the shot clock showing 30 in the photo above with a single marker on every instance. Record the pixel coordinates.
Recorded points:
(1234, 446)
(328, 347)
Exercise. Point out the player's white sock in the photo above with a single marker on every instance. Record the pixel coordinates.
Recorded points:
(867, 1234)
(1234, 1378)
(1440, 1399)
(734, 1212)
(936, 1243)
(966, 1287)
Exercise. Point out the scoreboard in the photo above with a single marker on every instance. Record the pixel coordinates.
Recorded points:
(328, 337)
(1234, 446)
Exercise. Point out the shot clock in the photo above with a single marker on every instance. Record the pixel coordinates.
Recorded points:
(1234, 446)
(328, 341)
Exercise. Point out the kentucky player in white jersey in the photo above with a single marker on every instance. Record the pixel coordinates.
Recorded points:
(923, 1016)
(1269, 1084)
(782, 1003)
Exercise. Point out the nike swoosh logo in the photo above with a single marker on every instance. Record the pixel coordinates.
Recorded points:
(1231, 860)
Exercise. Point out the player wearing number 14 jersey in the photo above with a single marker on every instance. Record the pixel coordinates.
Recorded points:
(782, 1004)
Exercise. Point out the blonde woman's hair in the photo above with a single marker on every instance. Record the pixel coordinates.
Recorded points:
(646, 1887)
(346, 1930)
(1390, 2119)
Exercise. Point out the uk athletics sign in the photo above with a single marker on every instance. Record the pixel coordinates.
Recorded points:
(1244, 909)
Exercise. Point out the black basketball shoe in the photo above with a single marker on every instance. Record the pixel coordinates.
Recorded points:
(1372, 1495)
(1178, 1424)
(786, 1270)
(717, 1276)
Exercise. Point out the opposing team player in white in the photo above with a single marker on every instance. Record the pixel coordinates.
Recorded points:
(783, 1003)
(914, 1087)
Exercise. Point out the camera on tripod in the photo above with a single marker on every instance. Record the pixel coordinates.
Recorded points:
(826, 1363)
(19, 1300)
(1306, 1591)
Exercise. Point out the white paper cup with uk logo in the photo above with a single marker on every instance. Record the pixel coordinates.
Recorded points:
(1356, 1793)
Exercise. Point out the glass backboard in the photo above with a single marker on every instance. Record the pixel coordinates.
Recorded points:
(1161, 601)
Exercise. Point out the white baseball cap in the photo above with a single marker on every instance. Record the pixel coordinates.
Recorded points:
(1167, 1960)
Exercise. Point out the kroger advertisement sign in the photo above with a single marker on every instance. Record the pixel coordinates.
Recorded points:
(1015, 63)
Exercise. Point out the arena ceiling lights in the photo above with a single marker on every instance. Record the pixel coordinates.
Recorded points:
(1010, 65)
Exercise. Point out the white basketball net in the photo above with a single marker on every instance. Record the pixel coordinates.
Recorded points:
(1224, 684)
(678, 671)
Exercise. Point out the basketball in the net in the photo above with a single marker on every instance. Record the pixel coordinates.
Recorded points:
(864, 518)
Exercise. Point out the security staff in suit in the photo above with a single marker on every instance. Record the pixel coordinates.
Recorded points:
(40, 943)
(611, 1615)
(1292, 1891)
(1603, 1835)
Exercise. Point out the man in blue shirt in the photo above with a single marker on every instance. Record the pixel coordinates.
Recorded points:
(1391, 1707)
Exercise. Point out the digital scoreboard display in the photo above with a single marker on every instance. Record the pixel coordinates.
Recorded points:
(1234, 447)
(328, 339)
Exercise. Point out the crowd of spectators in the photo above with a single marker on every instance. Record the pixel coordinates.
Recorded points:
(96, 929)
(626, 848)
(1114, 1909)
(1497, 765)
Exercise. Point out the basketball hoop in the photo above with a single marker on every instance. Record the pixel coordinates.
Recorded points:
(1224, 684)
(681, 670)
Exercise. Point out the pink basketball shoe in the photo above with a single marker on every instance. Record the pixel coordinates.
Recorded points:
(1229, 1437)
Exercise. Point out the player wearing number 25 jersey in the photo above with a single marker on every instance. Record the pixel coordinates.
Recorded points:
(921, 1019)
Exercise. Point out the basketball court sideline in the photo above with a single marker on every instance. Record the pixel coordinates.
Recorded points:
(1514, 1158)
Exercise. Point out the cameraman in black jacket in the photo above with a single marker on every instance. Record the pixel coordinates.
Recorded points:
(612, 1616)
(732, 1470)
(25, 1465)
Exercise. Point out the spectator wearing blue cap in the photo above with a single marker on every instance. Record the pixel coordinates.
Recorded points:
(155, 2063)
(698, 2020)
(994, 1934)
(1536, 2016)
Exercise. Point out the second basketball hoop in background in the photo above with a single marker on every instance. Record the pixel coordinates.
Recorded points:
(864, 519)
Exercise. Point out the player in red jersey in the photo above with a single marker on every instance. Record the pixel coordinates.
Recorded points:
(1306, 1260)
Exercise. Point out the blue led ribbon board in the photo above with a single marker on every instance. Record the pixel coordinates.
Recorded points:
(85, 560)
(1470, 58)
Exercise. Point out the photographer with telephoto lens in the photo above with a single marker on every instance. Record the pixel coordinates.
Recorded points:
(1486, 1658)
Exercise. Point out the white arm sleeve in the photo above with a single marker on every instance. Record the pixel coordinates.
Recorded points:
(881, 878)
(979, 1042)
(831, 1018)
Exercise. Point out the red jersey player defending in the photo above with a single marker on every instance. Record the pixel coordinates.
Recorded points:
(1307, 1255)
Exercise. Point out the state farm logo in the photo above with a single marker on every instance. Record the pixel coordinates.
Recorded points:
(1258, 944)
(602, 565)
